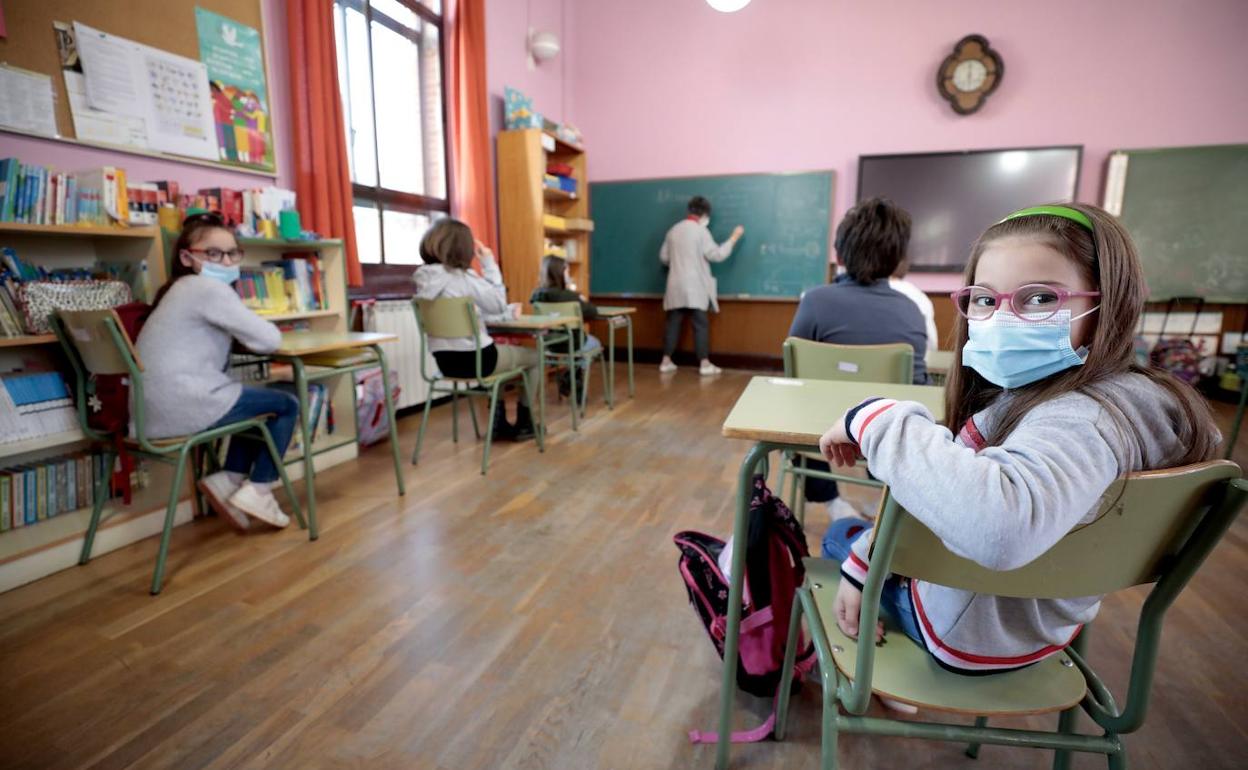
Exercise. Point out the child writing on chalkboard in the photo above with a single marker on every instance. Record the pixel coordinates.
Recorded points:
(687, 251)
(1045, 407)
(185, 349)
(555, 285)
(448, 250)
(861, 308)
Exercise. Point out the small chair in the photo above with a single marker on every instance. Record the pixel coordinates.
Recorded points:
(573, 309)
(1155, 527)
(457, 318)
(809, 360)
(96, 344)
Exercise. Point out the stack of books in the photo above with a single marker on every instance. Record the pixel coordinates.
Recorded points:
(35, 405)
(39, 195)
(293, 284)
(42, 489)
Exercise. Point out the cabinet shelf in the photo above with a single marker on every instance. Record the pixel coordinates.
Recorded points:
(27, 340)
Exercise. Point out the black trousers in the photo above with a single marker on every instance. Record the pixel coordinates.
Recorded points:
(701, 331)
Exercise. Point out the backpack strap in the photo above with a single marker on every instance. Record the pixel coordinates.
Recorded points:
(764, 731)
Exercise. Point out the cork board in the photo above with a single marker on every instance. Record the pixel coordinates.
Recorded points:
(170, 26)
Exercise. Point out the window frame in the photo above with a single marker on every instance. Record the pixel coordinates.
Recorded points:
(385, 279)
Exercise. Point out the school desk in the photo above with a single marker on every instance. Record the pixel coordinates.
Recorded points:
(540, 328)
(618, 316)
(331, 354)
(785, 414)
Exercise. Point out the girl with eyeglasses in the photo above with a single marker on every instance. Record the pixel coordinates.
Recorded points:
(185, 349)
(1045, 408)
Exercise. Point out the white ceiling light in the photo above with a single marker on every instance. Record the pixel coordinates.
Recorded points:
(727, 6)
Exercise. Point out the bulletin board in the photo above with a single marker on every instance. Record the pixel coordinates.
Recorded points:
(169, 26)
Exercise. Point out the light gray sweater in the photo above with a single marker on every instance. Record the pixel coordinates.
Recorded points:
(688, 251)
(487, 293)
(1003, 506)
(185, 348)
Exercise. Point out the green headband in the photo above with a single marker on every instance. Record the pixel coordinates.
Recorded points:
(1065, 212)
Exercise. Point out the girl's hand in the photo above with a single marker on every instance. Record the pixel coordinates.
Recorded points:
(848, 605)
(836, 447)
(483, 253)
(514, 308)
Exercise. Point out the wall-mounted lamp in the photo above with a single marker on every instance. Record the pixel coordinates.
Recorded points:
(543, 46)
(727, 6)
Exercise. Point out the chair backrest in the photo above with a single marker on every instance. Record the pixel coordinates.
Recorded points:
(1145, 520)
(449, 317)
(893, 363)
(100, 340)
(561, 309)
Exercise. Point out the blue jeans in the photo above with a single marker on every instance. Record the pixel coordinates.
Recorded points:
(251, 458)
(895, 597)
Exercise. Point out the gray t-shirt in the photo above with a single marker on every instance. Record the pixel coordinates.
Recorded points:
(846, 312)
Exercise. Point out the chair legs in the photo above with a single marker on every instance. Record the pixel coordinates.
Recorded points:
(455, 412)
(972, 750)
(607, 388)
(424, 423)
(1118, 761)
(489, 429)
(829, 728)
(786, 672)
(101, 492)
(540, 432)
(175, 490)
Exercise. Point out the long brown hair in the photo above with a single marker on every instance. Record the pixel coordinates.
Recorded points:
(552, 272)
(1108, 261)
(193, 228)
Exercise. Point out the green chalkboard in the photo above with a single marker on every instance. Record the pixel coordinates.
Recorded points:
(1187, 211)
(787, 219)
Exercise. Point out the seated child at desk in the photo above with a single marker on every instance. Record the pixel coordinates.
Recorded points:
(447, 250)
(185, 349)
(1046, 408)
(555, 285)
(860, 308)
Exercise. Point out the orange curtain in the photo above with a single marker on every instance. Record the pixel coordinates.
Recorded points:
(472, 177)
(322, 174)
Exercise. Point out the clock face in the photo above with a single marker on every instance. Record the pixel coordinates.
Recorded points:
(969, 75)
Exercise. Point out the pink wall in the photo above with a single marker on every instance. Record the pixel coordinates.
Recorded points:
(671, 87)
(506, 26)
(192, 177)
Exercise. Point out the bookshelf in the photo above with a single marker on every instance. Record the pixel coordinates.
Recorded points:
(34, 551)
(524, 202)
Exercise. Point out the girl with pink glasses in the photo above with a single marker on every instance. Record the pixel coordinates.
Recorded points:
(1045, 407)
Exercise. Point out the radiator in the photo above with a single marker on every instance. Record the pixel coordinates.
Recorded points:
(396, 317)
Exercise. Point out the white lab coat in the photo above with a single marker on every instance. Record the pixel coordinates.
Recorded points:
(688, 249)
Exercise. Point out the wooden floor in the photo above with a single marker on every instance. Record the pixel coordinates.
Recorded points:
(531, 619)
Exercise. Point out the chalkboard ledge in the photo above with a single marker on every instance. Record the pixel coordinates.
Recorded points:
(721, 297)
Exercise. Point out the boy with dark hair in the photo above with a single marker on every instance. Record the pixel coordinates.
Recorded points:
(859, 307)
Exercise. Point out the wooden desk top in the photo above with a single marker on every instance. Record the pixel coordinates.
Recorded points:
(939, 361)
(791, 411)
(308, 343)
(530, 323)
(612, 311)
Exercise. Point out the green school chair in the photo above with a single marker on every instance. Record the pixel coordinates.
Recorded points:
(95, 342)
(809, 360)
(1159, 526)
(457, 317)
(581, 355)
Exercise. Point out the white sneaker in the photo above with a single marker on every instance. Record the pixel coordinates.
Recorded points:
(707, 369)
(840, 508)
(667, 367)
(898, 706)
(218, 489)
(260, 504)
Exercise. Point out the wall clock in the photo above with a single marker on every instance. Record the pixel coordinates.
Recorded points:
(969, 74)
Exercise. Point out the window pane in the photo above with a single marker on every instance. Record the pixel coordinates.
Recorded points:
(351, 34)
(397, 11)
(431, 100)
(367, 233)
(403, 234)
(433, 5)
(399, 128)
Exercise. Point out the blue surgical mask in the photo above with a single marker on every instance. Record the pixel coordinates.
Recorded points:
(223, 273)
(1012, 352)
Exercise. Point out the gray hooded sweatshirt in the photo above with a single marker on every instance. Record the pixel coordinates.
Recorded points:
(1003, 506)
(488, 294)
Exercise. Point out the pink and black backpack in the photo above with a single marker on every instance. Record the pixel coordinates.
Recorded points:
(773, 571)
